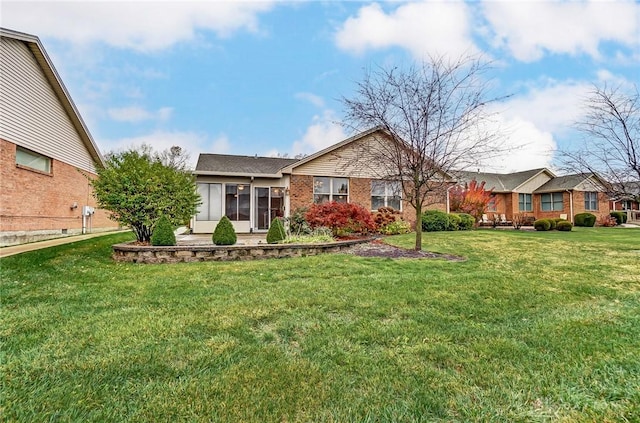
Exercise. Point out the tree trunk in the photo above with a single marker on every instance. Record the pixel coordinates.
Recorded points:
(418, 228)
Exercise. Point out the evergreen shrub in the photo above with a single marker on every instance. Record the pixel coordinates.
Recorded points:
(585, 219)
(454, 222)
(619, 216)
(552, 224)
(224, 234)
(163, 232)
(434, 221)
(467, 221)
(564, 225)
(542, 225)
(276, 232)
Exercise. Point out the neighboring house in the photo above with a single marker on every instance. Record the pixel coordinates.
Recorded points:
(252, 190)
(46, 151)
(626, 202)
(513, 192)
(542, 194)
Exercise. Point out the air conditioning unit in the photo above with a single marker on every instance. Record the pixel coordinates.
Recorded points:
(88, 210)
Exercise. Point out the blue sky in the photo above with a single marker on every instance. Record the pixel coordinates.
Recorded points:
(266, 78)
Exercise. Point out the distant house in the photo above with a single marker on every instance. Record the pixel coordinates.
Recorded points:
(251, 191)
(46, 151)
(542, 194)
(626, 202)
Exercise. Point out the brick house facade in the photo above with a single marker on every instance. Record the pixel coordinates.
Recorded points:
(46, 152)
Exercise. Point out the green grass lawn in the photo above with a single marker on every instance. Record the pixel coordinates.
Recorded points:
(532, 327)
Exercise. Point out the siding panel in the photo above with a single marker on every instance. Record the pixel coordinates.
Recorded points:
(30, 112)
(535, 183)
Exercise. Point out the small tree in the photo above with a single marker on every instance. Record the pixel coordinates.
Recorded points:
(472, 199)
(276, 231)
(137, 188)
(431, 122)
(163, 233)
(224, 234)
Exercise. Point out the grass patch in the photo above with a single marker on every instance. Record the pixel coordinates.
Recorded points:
(531, 327)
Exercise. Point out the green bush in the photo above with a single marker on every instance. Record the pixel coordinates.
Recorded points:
(434, 221)
(163, 232)
(552, 224)
(564, 225)
(224, 234)
(276, 231)
(619, 216)
(454, 222)
(467, 221)
(542, 224)
(585, 219)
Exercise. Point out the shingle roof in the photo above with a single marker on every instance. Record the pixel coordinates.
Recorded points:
(566, 182)
(500, 182)
(226, 164)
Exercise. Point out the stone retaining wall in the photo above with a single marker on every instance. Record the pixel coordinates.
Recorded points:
(192, 253)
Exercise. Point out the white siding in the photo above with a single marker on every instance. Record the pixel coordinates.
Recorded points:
(535, 183)
(31, 115)
(346, 161)
(589, 185)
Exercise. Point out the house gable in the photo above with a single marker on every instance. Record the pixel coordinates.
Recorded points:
(535, 182)
(36, 110)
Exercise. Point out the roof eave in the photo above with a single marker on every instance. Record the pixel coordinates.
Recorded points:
(238, 174)
(49, 70)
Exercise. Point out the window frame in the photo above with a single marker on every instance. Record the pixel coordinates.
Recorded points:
(21, 152)
(589, 201)
(523, 203)
(322, 195)
(236, 212)
(552, 201)
(390, 194)
(207, 203)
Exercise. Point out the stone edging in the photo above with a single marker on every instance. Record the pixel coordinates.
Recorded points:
(128, 252)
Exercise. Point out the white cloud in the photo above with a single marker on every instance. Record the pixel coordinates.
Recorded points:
(525, 147)
(426, 28)
(552, 108)
(134, 114)
(529, 29)
(137, 25)
(311, 98)
(322, 133)
(220, 145)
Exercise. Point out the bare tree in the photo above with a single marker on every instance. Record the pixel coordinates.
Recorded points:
(611, 124)
(433, 119)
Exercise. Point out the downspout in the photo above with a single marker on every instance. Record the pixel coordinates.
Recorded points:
(570, 205)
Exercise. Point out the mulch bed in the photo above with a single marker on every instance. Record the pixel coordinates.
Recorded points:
(380, 249)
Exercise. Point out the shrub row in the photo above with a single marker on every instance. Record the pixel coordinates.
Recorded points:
(552, 224)
(435, 220)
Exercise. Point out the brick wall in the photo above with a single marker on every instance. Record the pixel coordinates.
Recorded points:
(34, 201)
(301, 195)
(578, 206)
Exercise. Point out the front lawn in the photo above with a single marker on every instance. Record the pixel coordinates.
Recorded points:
(531, 327)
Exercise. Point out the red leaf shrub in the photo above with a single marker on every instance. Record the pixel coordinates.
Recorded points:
(384, 216)
(472, 199)
(341, 218)
(607, 221)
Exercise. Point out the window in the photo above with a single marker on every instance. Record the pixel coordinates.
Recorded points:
(385, 194)
(591, 201)
(552, 202)
(211, 197)
(33, 160)
(330, 189)
(492, 205)
(237, 202)
(524, 202)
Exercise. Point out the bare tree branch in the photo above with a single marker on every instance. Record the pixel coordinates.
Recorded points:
(433, 120)
(611, 148)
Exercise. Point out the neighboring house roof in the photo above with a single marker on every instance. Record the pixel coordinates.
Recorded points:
(626, 191)
(45, 63)
(571, 182)
(329, 149)
(502, 182)
(229, 165)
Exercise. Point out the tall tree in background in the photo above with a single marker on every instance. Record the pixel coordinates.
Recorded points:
(611, 125)
(433, 118)
(139, 186)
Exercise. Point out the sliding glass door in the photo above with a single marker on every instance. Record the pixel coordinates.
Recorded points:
(269, 203)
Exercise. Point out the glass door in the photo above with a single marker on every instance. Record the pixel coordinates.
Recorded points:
(269, 203)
